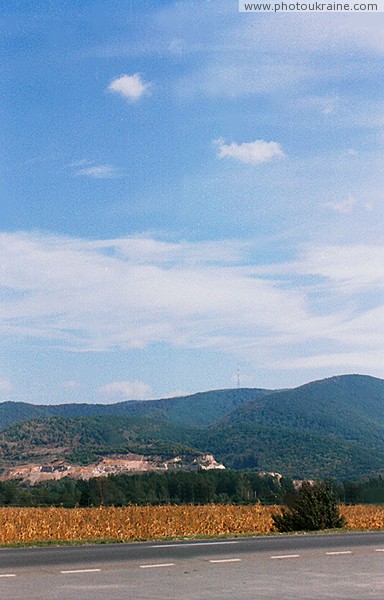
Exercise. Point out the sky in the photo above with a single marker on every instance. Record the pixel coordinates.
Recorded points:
(191, 198)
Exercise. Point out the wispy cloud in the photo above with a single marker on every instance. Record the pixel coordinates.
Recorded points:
(285, 59)
(343, 207)
(228, 79)
(126, 390)
(344, 268)
(133, 292)
(369, 361)
(100, 171)
(252, 153)
(130, 86)
(326, 105)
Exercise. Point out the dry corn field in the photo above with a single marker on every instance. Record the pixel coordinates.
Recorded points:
(145, 522)
(362, 516)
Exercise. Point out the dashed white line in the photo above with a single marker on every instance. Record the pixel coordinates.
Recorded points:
(8, 575)
(339, 552)
(226, 560)
(286, 556)
(379, 550)
(157, 566)
(187, 545)
(80, 571)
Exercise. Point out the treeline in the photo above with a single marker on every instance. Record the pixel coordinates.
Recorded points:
(367, 491)
(202, 487)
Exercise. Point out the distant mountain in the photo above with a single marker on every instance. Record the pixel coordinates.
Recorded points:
(83, 439)
(196, 410)
(333, 428)
(328, 428)
(350, 407)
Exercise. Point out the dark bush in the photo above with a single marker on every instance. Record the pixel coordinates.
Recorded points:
(312, 507)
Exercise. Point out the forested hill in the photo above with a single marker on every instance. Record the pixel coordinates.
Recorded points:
(84, 439)
(333, 428)
(197, 410)
(328, 428)
(349, 406)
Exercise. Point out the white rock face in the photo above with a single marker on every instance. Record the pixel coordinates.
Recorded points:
(208, 462)
(110, 465)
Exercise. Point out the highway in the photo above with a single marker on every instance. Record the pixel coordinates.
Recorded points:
(340, 566)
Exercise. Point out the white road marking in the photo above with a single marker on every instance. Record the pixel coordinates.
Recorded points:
(226, 560)
(8, 575)
(379, 550)
(187, 545)
(80, 571)
(157, 566)
(339, 552)
(286, 556)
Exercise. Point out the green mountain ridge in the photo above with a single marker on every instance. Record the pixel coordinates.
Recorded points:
(196, 410)
(328, 428)
(350, 407)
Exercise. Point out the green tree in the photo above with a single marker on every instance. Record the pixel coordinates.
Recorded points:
(312, 507)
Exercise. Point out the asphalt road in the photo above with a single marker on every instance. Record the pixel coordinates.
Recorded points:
(337, 566)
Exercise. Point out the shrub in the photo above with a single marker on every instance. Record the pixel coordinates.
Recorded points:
(312, 507)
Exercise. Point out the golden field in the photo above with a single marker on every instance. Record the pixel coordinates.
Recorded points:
(364, 516)
(146, 522)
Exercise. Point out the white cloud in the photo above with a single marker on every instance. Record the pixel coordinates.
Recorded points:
(126, 390)
(252, 153)
(98, 295)
(222, 78)
(100, 172)
(129, 86)
(255, 55)
(5, 385)
(344, 207)
(346, 268)
(128, 293)
(284, 58)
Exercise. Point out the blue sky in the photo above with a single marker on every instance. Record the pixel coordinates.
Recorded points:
(188, 191)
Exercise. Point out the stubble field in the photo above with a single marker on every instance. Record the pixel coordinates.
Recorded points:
(26, 525)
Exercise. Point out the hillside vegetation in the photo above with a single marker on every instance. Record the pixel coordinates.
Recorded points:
(84, 439)
(197, 410)
(329, 428)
